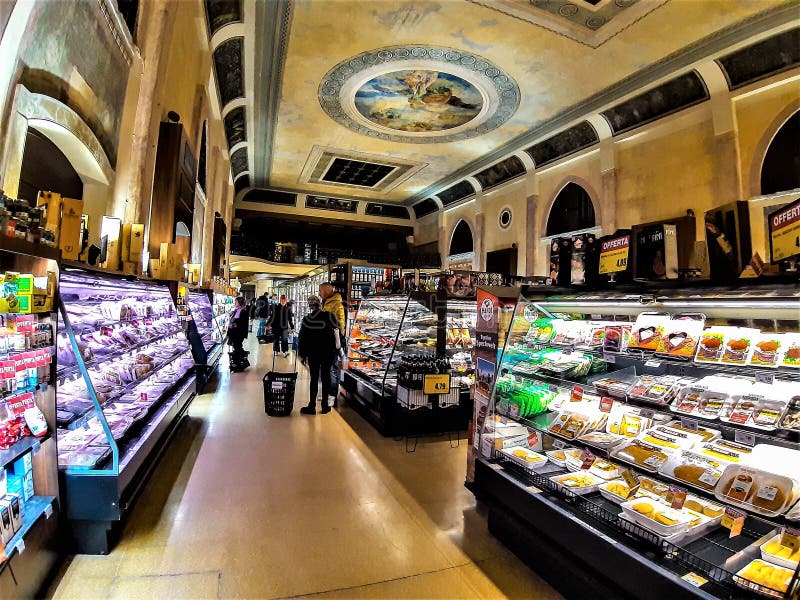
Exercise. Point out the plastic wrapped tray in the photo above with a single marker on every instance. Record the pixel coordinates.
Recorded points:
(743, 578)
(790, 563)
(756, 490)
(682, 520)
(578, 483)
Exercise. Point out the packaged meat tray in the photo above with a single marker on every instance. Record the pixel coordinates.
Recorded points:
(654, 389)
(601, 439)
(702, 403)
(784, 556)
(680, 336)
(579, 483)
(669, 439)
(526, 458)
(791, 351)
(656, 516)
(764, 578)
(647, 331)
(708, 434)
(791, 420)
(611, 386)
(710, 346)
(569, 424)
(767, 350)
(641, 454)
(695, 470)
(604, 469)
(725, 450)
(757, 490)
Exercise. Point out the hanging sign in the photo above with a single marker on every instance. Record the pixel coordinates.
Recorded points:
(435, 385)
(614, 254)
(784, 232)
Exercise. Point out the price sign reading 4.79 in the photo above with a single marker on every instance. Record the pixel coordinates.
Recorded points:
(436, 384)
(614, 254)
(784, 232)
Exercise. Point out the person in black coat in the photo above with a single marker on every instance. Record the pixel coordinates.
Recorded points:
(281, 321)
(316, 348)
(238, 329)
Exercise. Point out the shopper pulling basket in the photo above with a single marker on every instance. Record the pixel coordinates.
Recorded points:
(317, 347)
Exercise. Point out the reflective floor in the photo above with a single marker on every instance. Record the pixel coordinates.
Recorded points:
(246, 506)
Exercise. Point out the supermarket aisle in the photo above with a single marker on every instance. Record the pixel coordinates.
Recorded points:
(251, 507)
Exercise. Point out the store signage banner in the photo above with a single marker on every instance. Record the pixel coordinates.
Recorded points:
(784, 232)
(487, 311)
(614, 254)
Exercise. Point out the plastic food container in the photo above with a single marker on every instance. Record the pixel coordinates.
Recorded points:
(708, 434)
(641, 454)
(557, 457)
(579, 483)
(670, 440)
(627, 424)
(573, 459)
(601, 439)
(760, 413)
(695, 470)
(525, 457)
(756, 490)
(657, 516)
(604, 470)
(765, 578)
(783, 556)
(726, 450)
(658, 390)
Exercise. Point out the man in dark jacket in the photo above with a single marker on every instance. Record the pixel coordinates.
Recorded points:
(237, 333)
(281, 321)
(316, 348)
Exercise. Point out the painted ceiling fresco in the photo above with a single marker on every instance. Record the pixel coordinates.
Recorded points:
(361, 77)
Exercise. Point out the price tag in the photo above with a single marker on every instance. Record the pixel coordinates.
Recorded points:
(37, 445)
(558, 444)
(609, 358)
(577, 394)
(763, 377)
(605, 404)
(647, 413)
(678, 496)
(694, 579)
(48, 512)
(689, 424)
(734, 520)
(567, 350)
(614, 255)
(631, 479)
(533, 439)
(587, 459)
(653, 363)
(784, 232)
(745, 437)
(436, 384)
(790, 536)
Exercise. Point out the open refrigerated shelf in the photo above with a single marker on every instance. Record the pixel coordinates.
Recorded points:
(127, 385)
(567, 356)
(203, 332)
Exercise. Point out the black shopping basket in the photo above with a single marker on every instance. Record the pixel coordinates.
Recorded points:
(279, 391)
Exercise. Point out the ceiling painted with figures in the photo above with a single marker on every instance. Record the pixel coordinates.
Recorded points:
(395, 101)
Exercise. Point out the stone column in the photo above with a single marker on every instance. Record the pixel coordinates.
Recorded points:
(608, 201)
(727, 168)
(531, 237)
(479, 243)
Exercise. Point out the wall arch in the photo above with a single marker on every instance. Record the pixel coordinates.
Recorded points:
(458, 238)
(590, 192)
(764, 143)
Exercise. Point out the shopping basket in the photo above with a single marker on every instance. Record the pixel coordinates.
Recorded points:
(279, 390)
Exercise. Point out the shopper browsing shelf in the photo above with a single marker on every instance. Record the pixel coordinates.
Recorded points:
(317, 348)
(332, 303)
(237, 332)
(282, 321)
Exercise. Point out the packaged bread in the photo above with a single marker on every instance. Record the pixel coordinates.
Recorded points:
(725, 450)
(601, 439)
(760, 491)
(641, 454)
(693, 469)
(569, 424)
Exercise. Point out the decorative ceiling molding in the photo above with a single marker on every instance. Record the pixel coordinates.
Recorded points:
(711, 46)
(220, 13)
(588, 22)
(322, 158)
(390, 94)
(563, 144)
(500, 173)
(229, 67)
(774, 55)
(273, 22)
(235, 125)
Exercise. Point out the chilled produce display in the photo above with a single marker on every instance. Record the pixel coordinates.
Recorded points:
(675, 427)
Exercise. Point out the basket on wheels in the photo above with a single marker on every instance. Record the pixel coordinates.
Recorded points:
(279, 393)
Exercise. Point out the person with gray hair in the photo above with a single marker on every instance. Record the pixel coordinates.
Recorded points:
(316, 349)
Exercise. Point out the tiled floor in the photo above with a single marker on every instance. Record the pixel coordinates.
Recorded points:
(246, 506)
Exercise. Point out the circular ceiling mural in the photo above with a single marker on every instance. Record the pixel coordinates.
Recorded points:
(419, 94)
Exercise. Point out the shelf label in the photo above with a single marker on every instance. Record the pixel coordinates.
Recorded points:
(605, 404)
(587, 459)
(609, 358)
(653, 363)
(678, 496)
(689, 424)
(614, 255)
(745, 437)
(558, 444)
(762, 377)
(577, 394)
(734, 520)
(694, 579)
(647, 413)
(784, 232)
(436, 385)
(631, 479)
(37, 445)
(48, 511)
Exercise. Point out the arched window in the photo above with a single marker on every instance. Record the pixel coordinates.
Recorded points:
(46, 169)
(461, 242)
(780, 170)
(572, 210)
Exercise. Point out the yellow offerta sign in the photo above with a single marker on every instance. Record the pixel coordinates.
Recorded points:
(614, 255)
(436, 384)
(784, 232)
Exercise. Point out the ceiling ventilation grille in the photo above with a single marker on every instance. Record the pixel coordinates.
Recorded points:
(357, 170)
(345, 171)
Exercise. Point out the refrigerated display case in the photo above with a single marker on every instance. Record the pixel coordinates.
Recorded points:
(125, 378)
(650, 439)
(389, 331)
(223, 307)
(197, 317)
(29, 487)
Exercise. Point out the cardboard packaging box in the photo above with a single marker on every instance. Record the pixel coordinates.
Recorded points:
(125, 243)
(52, 210)
(136, 242)
(656, 252)
(728, 240)
(69, 238)
(23, 465)
(6, 528)
(131, 268)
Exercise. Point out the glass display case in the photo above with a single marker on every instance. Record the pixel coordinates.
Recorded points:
(125, 376)
(29, 487)
(199, 325)
(223, 307)
(397, 335)
(650, 440)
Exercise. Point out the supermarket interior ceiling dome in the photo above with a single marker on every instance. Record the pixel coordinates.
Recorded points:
(401, 101)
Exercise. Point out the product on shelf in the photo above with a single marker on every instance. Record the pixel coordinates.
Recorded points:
(641, 454)
(579, 483)
(757, 490)
(655, 389)
(759, 573)
(647, 331)
(775, 552)
(657, 517)
(679, 336)
(693, 469)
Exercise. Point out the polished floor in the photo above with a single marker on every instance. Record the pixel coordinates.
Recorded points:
(246, 506)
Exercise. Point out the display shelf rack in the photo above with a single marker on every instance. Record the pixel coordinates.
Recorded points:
(18, 449)
(35, 508)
